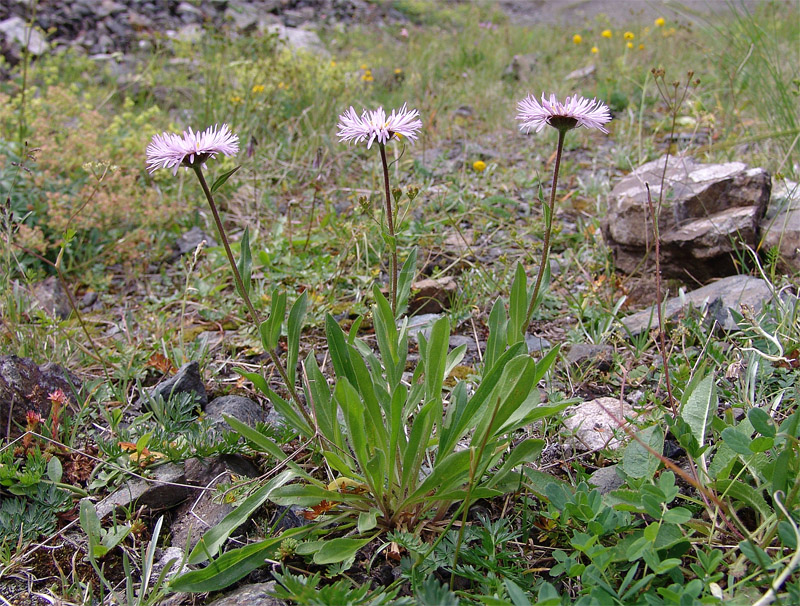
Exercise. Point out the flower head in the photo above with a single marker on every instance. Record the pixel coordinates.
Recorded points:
(479, 166)
(595, 50)
(169, 150)
(629, 35)
(606, 33)
(376, 125)
(577, 38)
(575, 111)
(660, 22)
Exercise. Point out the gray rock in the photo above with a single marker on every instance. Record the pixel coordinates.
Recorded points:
(250, 595)
(422, 324)
(780, 227)
(727, 293)
(52, 298)
(431, 296)
(709, 211)
(164, 490)
(194, 517)
(243, 15)
(599, 356)
(521, 68)
(191, 32)
(459, 340)
(243, 409)
(299, 39)
(88, 299)
(595, 425)
(580, 73)
(606, 479)
(17, 33)
(536, 343)
(186, 380)
(25, 386)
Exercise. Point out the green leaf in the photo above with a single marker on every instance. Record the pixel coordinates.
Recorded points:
(367, 520)
(404, 281)
(637, 461)
(701, 404)
(435, 361)
(762, 422)
(232, 565)
(339, 550)
(744, 493)
(496, 343)
(677, 515)
(295, 327)
(526, 451)
(54, 470)
(762, 444)
(211, 542)
(220, 181)
(307, 495)
(322, 404)
(265, 443)
(338, 350)
(737, 441)
(517, 595)
(245, 264)
(518, 306)
(468, 415)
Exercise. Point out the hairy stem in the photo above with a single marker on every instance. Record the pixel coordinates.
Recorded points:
(547, 231)
(198, 170)
(390, 224)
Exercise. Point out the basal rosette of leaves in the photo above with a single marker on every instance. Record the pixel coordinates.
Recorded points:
(400, 452)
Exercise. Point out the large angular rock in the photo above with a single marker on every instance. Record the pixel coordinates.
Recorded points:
(726, 294)
(164, 490)
(597, 424)
(780, 227)
(709, 212)
(186, 380)
(25, 386)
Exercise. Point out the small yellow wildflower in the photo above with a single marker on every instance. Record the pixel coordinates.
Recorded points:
(282, 85)
(363, 66)
(333, 63)
(641, 47)
(367, 77)
(630, 44)
(397, 70)
(577, 39)
(258, 88)
(479, 166)
(606, 33)
(236, 99)
(660, 22)
(595, 50)
(629, 36)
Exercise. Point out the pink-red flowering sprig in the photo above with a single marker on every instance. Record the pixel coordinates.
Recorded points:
(575, 111)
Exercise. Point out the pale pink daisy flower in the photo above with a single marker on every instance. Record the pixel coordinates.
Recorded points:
(169, 150)
(375, 125)
(575, 111)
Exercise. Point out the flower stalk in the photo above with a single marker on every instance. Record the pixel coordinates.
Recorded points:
(390, 225)
(575, 111)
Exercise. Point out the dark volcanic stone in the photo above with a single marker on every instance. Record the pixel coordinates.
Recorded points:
(25, 386)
